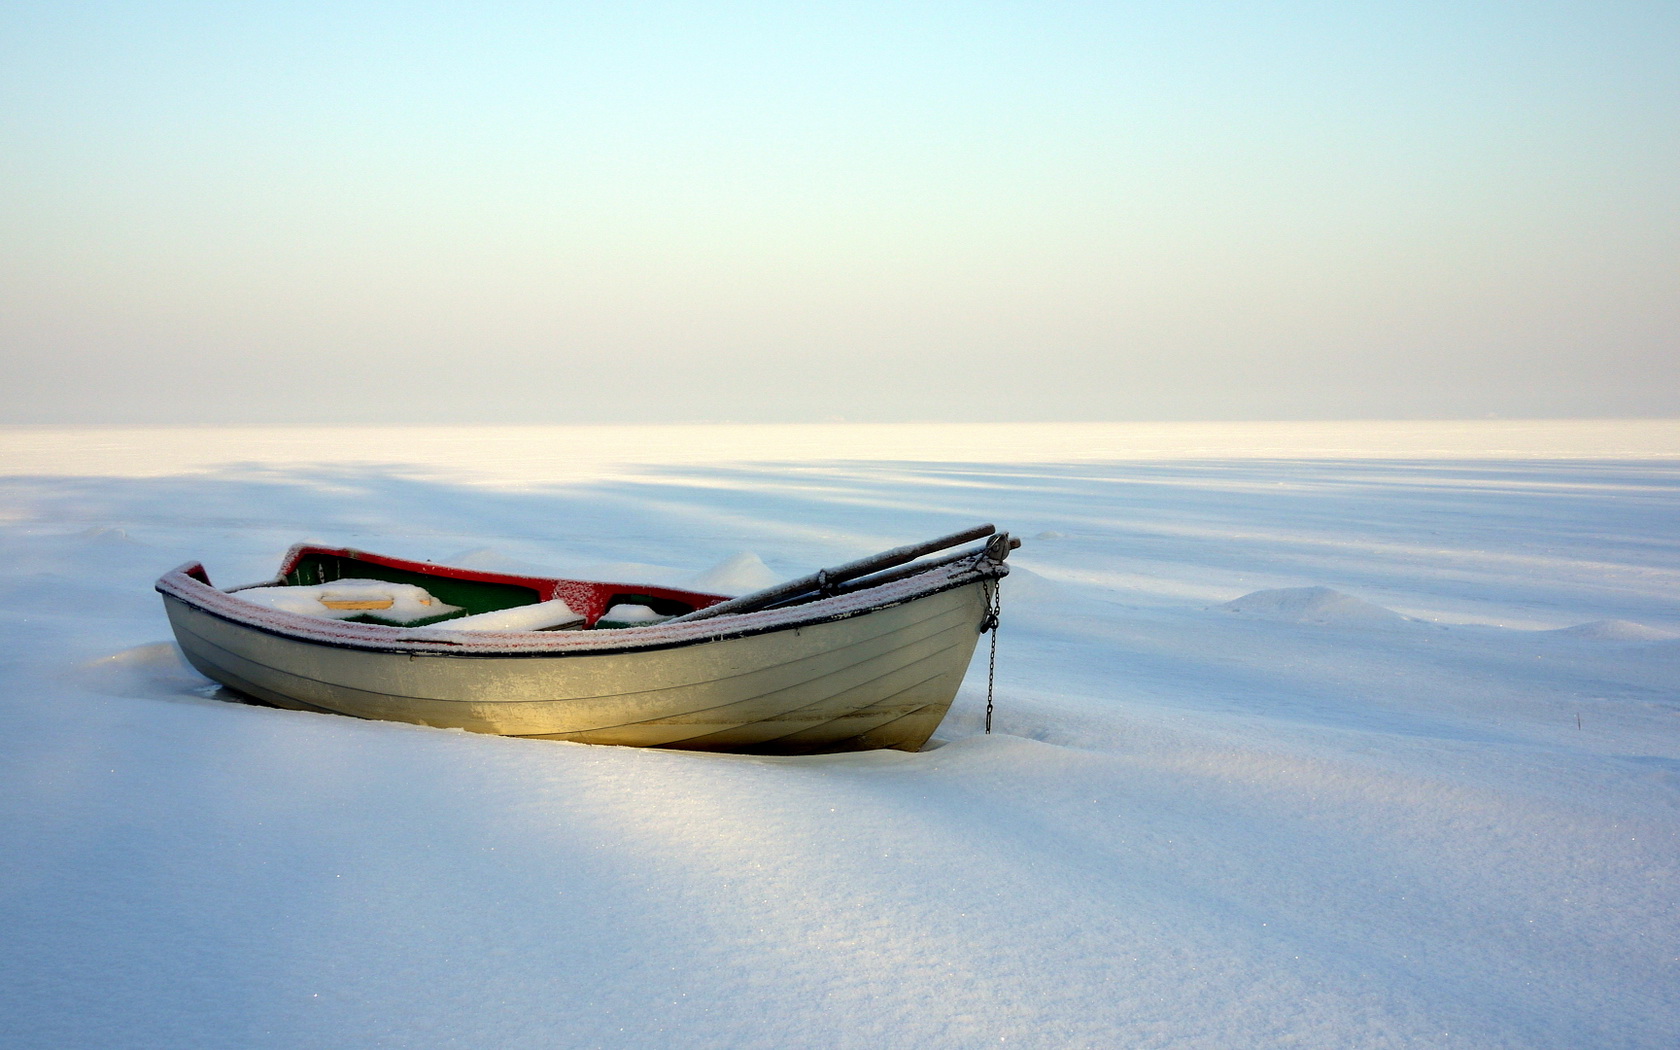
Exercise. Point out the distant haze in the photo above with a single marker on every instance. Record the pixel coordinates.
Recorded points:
(576, 213)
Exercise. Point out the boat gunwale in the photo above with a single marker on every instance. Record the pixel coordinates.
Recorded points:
(187, 585)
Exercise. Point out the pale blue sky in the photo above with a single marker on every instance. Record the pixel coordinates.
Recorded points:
(633, 212)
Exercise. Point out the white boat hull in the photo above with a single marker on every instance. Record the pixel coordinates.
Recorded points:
(879, 678)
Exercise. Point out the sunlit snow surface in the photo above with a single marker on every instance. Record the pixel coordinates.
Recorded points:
(1328, 738)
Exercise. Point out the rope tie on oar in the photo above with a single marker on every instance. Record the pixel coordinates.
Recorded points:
(989, 622)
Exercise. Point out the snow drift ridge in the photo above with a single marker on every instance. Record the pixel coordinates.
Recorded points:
(1319, 605)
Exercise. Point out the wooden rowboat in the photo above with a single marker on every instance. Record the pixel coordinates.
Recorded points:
(864, 655)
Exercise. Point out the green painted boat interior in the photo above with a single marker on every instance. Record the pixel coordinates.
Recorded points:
(473, 596)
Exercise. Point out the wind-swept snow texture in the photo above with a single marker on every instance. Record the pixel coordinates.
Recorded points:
(1372, 750)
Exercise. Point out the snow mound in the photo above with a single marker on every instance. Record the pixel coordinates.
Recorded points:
(155, 671)
(630, 614)
(741, 573)
(343, 599)
(109, 536)
(542, 616)
(1319, 605)
(1616, 631)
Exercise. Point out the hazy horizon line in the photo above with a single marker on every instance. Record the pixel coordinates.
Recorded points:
(622, 424)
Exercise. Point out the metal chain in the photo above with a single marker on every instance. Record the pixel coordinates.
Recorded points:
(994, 612)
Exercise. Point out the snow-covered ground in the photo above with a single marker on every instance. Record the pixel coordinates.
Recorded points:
(1307, 735)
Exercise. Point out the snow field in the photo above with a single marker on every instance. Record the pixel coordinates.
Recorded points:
(1355, 752)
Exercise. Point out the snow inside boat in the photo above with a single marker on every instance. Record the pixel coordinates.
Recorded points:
(864, 655)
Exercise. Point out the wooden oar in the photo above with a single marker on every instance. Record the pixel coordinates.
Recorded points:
(824, 579)
(997, 550)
